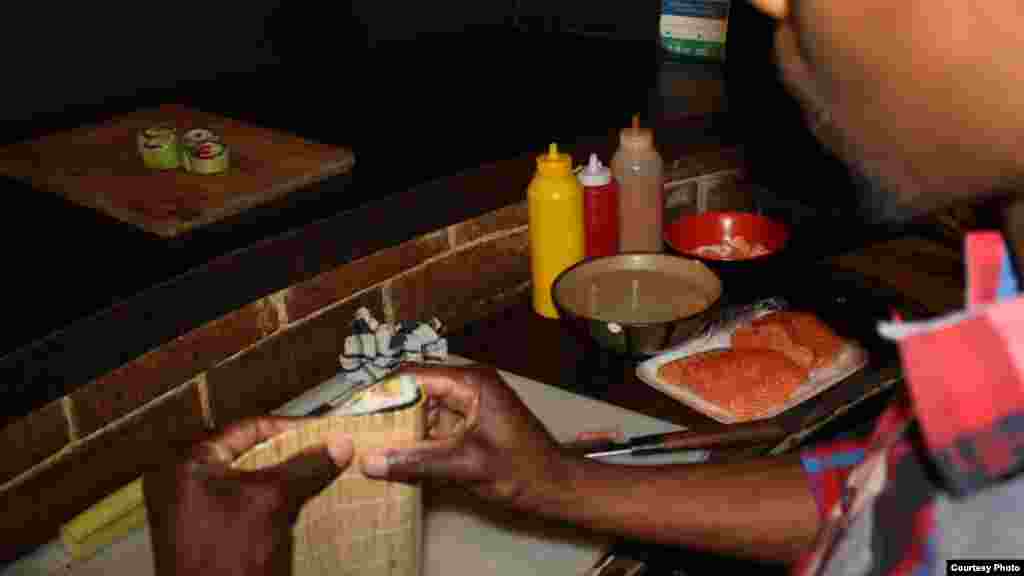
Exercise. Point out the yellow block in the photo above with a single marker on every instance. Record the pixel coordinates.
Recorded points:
(105, 522)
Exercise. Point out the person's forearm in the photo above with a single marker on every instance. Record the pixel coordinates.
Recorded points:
(758, 509)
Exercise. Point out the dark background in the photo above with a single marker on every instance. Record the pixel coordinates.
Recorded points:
(459, 81)
(419, 91)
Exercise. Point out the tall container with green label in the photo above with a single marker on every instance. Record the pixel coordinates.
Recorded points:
(694, 29)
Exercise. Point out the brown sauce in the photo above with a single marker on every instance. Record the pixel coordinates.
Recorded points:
(637, 297)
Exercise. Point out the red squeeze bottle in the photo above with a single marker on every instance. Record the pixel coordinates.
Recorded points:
(600, 210)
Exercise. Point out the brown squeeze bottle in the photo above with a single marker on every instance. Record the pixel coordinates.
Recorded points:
(638, 169)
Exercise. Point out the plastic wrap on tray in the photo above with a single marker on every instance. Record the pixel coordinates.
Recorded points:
(729, 318)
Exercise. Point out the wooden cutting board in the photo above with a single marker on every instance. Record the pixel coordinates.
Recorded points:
(98, 167)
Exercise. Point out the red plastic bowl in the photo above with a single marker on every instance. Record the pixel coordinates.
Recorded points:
(688, 233)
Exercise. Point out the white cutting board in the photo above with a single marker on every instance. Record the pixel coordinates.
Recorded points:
(461, 536)
(465, 537)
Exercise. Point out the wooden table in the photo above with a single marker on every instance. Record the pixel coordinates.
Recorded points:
(98, 167)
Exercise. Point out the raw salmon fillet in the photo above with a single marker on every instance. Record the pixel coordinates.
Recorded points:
(746, 383)
(801, 336)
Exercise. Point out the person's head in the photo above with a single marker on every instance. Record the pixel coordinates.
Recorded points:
(921, 96)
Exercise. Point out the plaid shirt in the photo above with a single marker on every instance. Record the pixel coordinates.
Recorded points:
(936, 478)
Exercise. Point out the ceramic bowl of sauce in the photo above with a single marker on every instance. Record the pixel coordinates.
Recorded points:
(637, 303)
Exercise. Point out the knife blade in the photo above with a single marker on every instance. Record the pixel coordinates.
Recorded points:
(681, 441)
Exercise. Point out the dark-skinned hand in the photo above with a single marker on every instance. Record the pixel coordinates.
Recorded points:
(207, 518)
(480, 436)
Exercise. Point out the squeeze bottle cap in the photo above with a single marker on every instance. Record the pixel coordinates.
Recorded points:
(554, 163)
(595, 174)
(635, 137)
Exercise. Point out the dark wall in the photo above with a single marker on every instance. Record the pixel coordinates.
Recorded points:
(396, 21)
(782, 154)
(65, 53)
(626, 20)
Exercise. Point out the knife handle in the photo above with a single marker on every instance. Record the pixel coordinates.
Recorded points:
(686, 439)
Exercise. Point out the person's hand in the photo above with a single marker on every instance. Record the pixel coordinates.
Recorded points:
(207, 518)
(480, 436)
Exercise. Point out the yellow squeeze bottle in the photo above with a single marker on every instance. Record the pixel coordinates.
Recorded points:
(555, 199)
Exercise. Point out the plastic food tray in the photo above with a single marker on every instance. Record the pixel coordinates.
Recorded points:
(851, 359)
